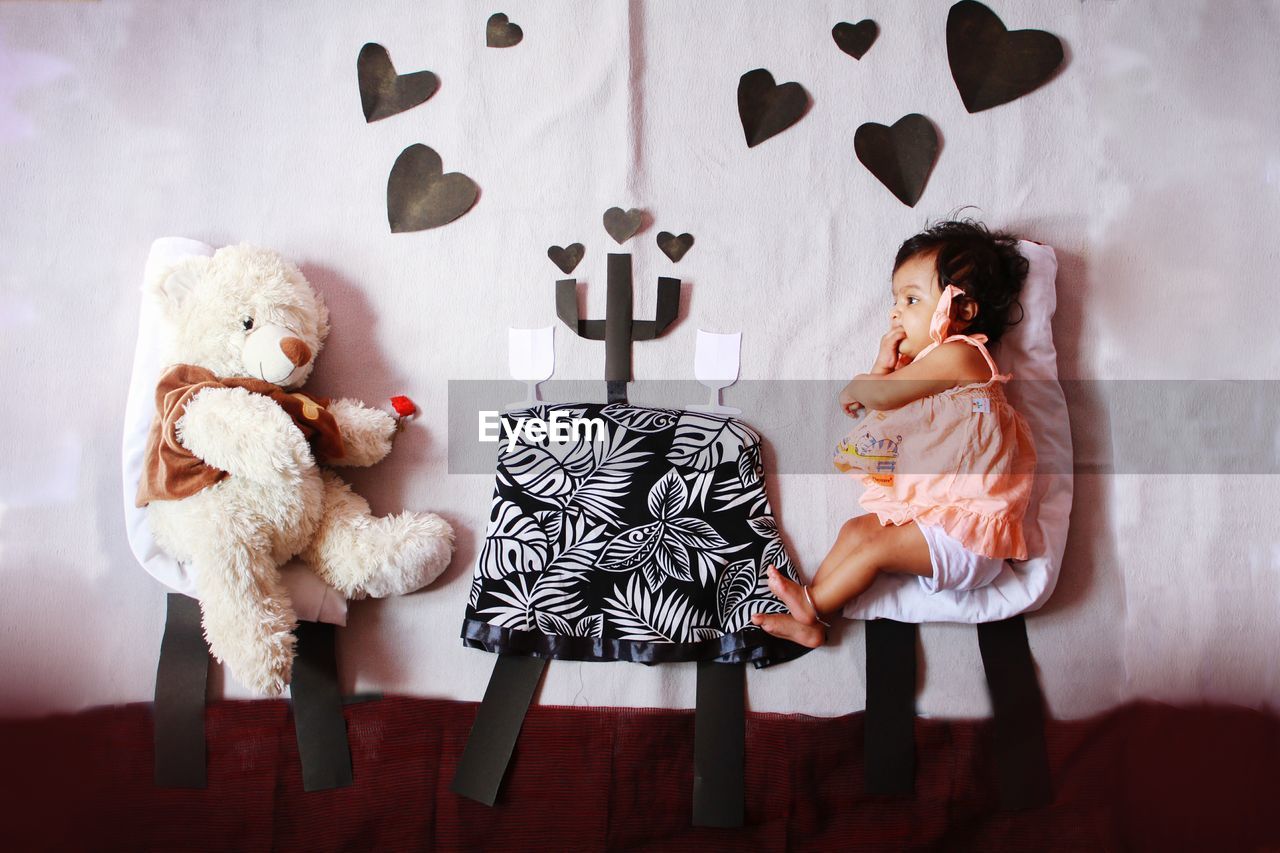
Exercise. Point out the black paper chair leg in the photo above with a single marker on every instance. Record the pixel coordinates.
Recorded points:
(182, 680)
(317, 709)
(890, 747)
(719, 745)
(497, 726)
(1022, 758)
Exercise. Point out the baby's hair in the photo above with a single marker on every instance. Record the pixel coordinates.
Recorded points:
(987, 266)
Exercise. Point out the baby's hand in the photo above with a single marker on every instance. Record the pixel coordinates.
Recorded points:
(887, 360)
(854, 409)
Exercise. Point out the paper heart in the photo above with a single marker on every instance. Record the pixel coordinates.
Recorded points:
(500, 32)
(420, 196)
(383, 92)
(990, 64)
(623, 224)
(901, 157)
(674, 247)
(855, 39)
(568, 257)
(767, 109)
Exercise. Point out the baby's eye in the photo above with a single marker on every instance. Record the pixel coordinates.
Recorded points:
(909, 298)
(247, 322)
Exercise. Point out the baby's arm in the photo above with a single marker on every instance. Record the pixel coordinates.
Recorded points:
(888, 359)
(936, 372)
(849, 403)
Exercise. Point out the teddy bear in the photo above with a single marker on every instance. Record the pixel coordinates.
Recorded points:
(232, 477)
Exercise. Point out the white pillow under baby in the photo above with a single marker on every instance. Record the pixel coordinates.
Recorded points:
(313, 599)
(1028, 352)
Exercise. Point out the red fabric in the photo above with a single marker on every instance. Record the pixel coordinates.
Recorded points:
(1141, 777)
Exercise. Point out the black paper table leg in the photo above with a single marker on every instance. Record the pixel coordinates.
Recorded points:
(497, 726)
(1022, 759)
(889, 732)
(317, 709)
(182, 679)
(719, 744)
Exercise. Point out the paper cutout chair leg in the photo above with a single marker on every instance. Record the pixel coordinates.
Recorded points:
(1018, 711)
(889, 721)
(182, 680)
(719, 738)
(320, 727)
(497, 726)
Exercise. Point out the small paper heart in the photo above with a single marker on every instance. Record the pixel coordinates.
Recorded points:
(383, 92)
(420, 196)
(990, 64)
(901, 157)
(500, 32)
(621, 224)
(567, 258)
(767, 109)
(855, 39)
(674, 247)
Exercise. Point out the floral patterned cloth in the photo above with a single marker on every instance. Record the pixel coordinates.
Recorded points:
(644, 538)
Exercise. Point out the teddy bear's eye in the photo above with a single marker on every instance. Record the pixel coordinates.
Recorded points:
(247, 322)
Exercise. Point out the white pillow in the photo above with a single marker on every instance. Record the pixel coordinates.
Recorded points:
(1028, 352)
(313, 599)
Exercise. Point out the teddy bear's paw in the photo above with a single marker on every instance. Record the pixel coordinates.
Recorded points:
(415, 550)
(367, 433)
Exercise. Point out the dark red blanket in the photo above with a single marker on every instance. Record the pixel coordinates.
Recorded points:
(1140, 777)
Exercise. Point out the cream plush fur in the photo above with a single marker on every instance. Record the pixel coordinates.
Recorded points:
(277, 504)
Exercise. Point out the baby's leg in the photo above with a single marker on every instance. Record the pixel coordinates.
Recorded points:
(855, 536)
(848, 540)
(895, 548)
(868, 549)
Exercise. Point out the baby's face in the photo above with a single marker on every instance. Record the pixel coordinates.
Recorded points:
(915, 297)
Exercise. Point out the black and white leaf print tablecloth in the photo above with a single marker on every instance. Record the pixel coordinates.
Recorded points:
(649, 545)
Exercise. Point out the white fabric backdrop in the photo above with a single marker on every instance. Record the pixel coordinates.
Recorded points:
(1150, 164)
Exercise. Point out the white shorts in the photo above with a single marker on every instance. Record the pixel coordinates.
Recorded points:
(955, 567)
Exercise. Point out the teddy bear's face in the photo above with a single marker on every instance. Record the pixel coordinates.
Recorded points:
(244, 312)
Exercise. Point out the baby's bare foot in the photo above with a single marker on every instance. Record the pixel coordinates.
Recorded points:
(786, 626)
(791, 594)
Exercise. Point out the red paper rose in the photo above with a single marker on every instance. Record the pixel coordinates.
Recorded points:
(404, 406)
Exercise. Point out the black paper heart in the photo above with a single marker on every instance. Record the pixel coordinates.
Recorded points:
(767, 109)
(568, 257)
(674, 247)
(855, 39)
(383, 92)
(992, 66)
(621, 224)
(419, 196)
(500, 32)
(901, 157)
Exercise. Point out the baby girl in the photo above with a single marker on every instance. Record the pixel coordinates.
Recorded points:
(948, 464)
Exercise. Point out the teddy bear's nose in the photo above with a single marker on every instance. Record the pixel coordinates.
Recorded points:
(297, 351)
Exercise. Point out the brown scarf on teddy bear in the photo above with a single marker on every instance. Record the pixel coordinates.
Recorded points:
(171, 472)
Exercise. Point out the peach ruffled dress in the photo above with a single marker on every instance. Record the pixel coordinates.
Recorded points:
(963, 459)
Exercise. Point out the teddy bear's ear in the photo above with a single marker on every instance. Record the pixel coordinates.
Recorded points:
(173, 286)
